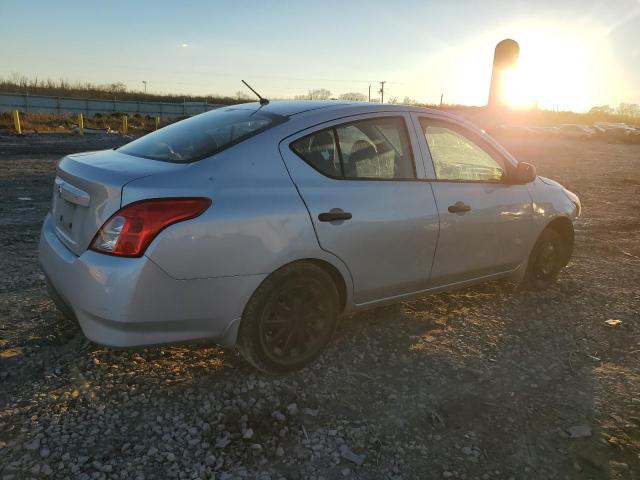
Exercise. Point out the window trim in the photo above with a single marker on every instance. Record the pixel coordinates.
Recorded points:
(334, 130)
(475, 138)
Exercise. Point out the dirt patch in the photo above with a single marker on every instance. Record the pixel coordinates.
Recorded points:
(486, 383)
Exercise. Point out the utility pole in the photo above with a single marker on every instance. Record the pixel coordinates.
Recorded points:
(369, 93)
(382, 91)
(441, 95)
(145, 86)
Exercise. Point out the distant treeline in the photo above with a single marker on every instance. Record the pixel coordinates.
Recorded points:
(624, 113)
(535, 117)
(64, 88)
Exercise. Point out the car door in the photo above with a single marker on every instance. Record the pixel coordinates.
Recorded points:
(369, 204)
(485, 221)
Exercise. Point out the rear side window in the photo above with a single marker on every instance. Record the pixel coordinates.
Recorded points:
(321, 152)
(202, 136)
(376, 149)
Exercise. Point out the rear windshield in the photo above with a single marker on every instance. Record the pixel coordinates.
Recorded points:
(202, 136)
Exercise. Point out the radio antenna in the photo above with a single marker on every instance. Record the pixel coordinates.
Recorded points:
(263, 101)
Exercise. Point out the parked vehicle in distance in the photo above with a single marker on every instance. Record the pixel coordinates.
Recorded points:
(545, 131)
(522, 131)
(260, 225)
(569, 130)
(617, 132)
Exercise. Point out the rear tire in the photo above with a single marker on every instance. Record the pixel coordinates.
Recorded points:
(545, 261)
(290, 319)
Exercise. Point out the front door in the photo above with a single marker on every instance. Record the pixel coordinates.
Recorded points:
(485, 221)
(369, 204)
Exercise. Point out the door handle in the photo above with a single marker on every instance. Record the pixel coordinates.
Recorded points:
(459, 207)
(335, 214)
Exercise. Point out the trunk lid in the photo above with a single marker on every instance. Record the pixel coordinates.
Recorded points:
(88, 190)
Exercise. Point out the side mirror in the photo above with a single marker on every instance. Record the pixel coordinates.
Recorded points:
(525, 173)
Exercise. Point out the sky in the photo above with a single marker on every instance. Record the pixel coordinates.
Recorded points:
(574, 54)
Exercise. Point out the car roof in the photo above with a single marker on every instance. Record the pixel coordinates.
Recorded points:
(290, 107)
(295, 107)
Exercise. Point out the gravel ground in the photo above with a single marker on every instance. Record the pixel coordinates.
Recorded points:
(484, 383)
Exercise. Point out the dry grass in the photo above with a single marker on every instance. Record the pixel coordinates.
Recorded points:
(68, 123)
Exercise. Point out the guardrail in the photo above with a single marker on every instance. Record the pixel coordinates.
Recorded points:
(49, 104)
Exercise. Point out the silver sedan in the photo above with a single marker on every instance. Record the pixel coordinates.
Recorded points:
(258, 226)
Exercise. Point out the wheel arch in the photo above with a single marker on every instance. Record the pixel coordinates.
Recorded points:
(336, 276)
(340, 277)
(563, 226)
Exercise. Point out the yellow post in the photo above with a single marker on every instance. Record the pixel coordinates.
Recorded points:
(80, 124)
(16, 122)
(157, 122)
(125, 124)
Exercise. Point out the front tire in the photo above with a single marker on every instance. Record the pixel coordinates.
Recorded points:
(290, 319)
(546, 260)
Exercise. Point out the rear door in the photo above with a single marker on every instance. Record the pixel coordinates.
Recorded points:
(485, 221)
(369, 204)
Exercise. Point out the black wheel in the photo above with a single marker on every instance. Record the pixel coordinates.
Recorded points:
(290, 319)
(546, 260)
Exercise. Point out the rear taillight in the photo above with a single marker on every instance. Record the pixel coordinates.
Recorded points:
(130, 230)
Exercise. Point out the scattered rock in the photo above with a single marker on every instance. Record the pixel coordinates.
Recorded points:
(278, 415)
(223, 442)
(579, 431)
(32, 445)
(347, 454)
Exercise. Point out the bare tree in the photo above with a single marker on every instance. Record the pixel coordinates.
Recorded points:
(317, 94)
(354, 97)
(240, 95)
(602, 109)
(628, 109)
(112, 87)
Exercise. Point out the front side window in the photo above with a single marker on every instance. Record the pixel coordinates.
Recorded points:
(201, 136)
(457, 158)
(377, 149)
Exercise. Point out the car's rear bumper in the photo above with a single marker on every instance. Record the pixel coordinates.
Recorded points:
(125, 302)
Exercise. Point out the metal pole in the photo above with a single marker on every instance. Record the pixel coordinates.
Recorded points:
(145, 86)
(382, 91)
(369, 93)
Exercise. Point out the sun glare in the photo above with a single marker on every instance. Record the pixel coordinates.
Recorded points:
(556, 69)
